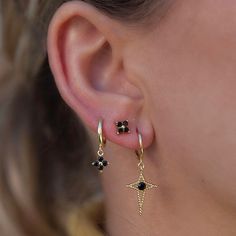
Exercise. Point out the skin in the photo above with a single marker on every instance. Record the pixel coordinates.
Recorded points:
(174, 80)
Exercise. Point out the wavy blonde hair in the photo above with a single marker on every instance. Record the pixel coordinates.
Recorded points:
(44, 174)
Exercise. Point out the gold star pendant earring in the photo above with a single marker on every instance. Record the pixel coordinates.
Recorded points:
(141, 186)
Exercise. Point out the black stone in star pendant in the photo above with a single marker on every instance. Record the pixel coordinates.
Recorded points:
(141, 186)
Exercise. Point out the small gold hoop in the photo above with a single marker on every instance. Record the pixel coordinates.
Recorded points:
(101, 138)
(140, 152)
(100, 152)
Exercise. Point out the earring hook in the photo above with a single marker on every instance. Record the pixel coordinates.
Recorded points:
(101, 138)
(140, 151)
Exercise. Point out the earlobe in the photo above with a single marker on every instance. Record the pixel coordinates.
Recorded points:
(86, 59)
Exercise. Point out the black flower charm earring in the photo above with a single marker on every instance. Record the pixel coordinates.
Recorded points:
(100, 163)
(122, 127)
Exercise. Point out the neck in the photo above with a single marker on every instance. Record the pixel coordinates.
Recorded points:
(178, 206)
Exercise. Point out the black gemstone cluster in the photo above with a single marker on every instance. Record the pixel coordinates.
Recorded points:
(100, 163)
(141, 186)
(122, 127)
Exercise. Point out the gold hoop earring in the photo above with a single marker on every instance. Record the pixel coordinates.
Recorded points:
(141, 185)
(100, 163)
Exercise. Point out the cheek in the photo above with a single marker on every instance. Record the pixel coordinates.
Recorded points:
(191, 83)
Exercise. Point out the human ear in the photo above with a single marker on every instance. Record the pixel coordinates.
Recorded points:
(86, 50)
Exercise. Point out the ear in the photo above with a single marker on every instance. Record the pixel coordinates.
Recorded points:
(86, 50)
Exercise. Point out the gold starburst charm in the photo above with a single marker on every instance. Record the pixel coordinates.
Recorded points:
(141, 186)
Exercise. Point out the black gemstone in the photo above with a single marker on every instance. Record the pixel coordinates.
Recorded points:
(125, 123)
(100, 167)
(95, 163)
(141, 186)
(105, 163)
(120, 130)
(126, 129)
(100, 159)
(119, 124)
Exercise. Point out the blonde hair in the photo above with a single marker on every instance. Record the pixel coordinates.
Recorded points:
(44, 174)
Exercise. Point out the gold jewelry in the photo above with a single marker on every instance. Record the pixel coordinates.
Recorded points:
(122, 127)
(100, 163)
(141, 185)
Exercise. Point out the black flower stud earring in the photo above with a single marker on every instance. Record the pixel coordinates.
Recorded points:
(122, 127)
(100, 163)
